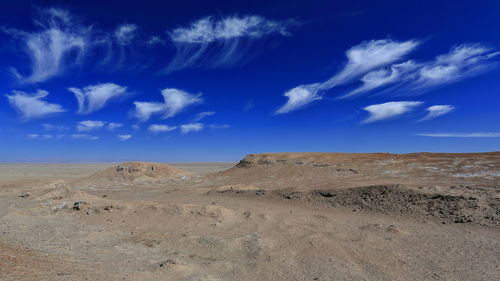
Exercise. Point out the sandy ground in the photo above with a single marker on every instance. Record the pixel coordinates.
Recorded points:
(270, 217)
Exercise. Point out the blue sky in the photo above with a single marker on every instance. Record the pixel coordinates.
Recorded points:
(196, 81)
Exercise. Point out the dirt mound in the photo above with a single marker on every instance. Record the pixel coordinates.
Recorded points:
(136, 171)
(319, 159)
(307, 159)
(339, 170)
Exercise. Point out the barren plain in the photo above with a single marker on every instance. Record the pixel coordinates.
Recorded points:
(275, 216)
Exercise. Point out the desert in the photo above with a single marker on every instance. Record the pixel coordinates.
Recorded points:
(271, 216)
(249, 140)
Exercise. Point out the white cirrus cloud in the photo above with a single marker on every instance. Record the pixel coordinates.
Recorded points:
(219, 126)
(218, 42)
(462, 135)
(124, 49)
(369, 55)
(389, 110)
(32, 106)
(211, 29)
(124, 137)
(126, 33)
(95, 97)
(202, 115)
(90, 125)
(52, 127)
(462, 61)
(192, 128)
(384, 76)
(361, 59)
(40, 137)
(155, 40)
(436, 111)
(174, 101)
(144, 110)
(84, 137)
(60, 42)
(113, 126)
(156, 128)
(299, 97)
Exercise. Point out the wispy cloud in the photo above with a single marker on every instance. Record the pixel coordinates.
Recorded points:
(211, 29)
(32, 106)
(217, 42)
(219, 126)
(113, 126)
(436, 111)
(389, 110)
(174, 101)
(299, 97)
(155, 40)
(192, 128)
(462, 135)
(155, 128)
(59, 42)
(90, 125)
(462, 61)
(124, 137)
(144, 110)
(202, 115)
(51, 127)
(367, 56)
(95, 97)
(378, 62)
(126, 33)
(126, 49)
(384, 76)
(84, 137)
(41, 137)
(361, 59)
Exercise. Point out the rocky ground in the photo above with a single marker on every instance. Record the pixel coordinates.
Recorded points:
(310, 216)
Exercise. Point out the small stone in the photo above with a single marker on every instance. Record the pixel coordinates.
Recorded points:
(80, 206)
(393, 229)
(168, 262)
(260, 192)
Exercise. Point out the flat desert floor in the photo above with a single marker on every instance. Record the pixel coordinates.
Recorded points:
(277, 216)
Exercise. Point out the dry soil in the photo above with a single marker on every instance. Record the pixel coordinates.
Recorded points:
(283, 216)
